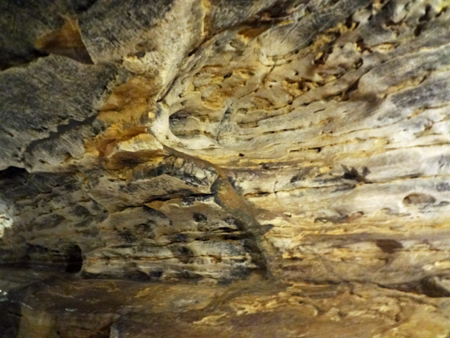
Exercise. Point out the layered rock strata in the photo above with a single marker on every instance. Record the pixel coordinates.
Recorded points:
(209, 141)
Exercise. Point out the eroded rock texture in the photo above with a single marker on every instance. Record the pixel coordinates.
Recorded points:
(292, 144)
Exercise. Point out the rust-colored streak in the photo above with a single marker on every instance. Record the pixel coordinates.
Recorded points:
(122, 112)
(112, 137)
(132, 94)
(252, 32)
(127, 159)
(65, 41)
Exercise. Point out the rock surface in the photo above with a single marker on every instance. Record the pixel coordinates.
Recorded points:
(74, 308)
(252, 152)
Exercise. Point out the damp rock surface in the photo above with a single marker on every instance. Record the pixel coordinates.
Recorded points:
(55, 306)
(205, 144)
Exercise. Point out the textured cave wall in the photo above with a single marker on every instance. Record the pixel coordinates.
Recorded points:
(210, 141)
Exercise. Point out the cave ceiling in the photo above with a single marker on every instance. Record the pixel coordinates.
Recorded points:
(282, 166)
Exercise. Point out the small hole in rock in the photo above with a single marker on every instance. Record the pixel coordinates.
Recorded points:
(74, 259)
(419, 199)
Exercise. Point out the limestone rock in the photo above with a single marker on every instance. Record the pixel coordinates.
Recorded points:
(301, 147)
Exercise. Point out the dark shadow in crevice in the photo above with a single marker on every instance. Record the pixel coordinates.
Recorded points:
(74, 259)
(428, 286)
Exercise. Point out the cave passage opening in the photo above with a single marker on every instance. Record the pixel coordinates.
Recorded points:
(74, 259)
